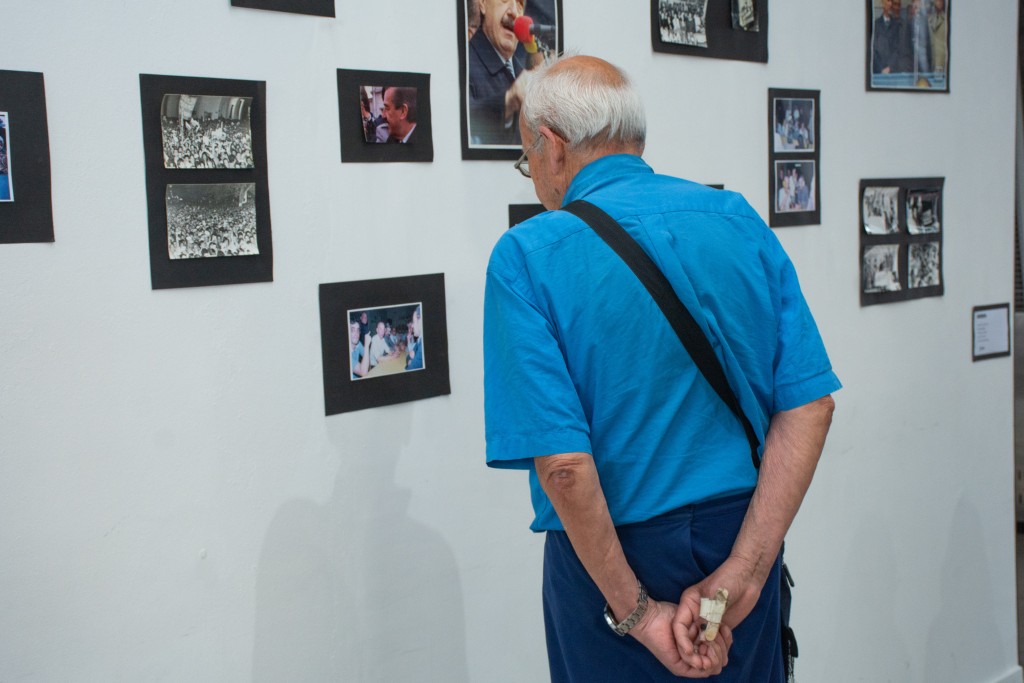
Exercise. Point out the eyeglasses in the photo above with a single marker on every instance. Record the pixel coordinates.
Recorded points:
(523, 165)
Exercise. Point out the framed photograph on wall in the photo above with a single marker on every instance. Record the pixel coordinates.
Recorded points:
(383, 342)
(205, 144)
(794, 154)
(26, 207)
(319, 8)
(500, 41)
(722, 29)
(908, 45)
(384, 116)
(900, 239)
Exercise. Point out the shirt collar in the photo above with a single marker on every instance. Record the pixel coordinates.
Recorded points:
(602, 171)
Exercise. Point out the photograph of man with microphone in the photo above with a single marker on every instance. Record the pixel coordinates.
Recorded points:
(505, 40)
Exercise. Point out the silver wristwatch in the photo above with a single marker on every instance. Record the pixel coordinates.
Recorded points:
(624, 626)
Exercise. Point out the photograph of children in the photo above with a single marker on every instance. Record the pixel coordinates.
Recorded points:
(794, 125)
(922, 211)
(385, 340)
(880, 269)
(879, 210)
(923, 269)
(908, 45)
(744, 15)
(794, 186)
(504, 41)
(204, 131)
(207, 221)
(684, 22)
(388, 113)
(6, 190)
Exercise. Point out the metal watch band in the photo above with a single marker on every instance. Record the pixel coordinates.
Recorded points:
(624, 627)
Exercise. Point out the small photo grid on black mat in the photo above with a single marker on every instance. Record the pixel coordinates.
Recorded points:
(206, 181)
(794, 157)
(900, 239)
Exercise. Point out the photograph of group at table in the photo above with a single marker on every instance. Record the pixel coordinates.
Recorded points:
(386, 340)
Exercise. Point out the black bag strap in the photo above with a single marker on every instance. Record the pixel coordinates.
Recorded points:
(679, 317)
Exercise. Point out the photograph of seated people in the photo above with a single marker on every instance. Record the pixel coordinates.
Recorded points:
(909, 44)
(499, 64)
(794, 182)
(388, 113)
(794, 125)
(393, 343)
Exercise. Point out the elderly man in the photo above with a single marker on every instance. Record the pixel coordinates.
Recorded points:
(495, 62)
(399, 112)
(640, 476)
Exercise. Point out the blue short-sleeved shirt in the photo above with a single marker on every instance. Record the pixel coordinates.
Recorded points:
(579, 358)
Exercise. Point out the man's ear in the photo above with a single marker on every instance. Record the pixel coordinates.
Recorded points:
(555, 149)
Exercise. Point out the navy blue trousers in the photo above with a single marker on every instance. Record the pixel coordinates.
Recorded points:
(669, 554)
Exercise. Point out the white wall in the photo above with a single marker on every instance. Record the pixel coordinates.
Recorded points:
(175, 506)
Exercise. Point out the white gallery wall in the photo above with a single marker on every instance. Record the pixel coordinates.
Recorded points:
(175, 506)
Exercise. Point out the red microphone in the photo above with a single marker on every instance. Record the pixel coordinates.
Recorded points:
(523, 28)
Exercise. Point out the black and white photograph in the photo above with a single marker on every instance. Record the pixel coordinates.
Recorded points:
(318, 8)
(923, 211)
(908, 45)
(794, 124)
(207, 186)
(384, 116)
(880, 268)
(744, 15)
(683, 22)
(794, 186)
(500, 43)
(386, 340)
(880, 208)
(923, 268)
(206, 131)
(6, 189)
(383, 341)
(388, 114)
(211, 220)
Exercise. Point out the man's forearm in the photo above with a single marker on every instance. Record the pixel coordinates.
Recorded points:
(570, 480)
(792, 447)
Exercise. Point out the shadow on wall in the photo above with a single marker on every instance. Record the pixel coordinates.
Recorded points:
(968, 597)
(355, 589)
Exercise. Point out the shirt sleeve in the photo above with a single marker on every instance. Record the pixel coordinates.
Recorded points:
(803, 372)
(531, 405)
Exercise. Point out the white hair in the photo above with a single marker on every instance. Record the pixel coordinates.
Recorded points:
(587, 109)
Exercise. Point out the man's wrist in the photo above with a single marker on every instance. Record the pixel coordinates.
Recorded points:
(623, 627)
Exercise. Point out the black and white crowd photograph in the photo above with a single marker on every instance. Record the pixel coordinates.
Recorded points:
(794, 186)
(880, 269)
(385, 340)
(211, 220)
(879, 208)
(204, 131)
(923, 269)
(6, 191)
(744, 15)
(922, 212)
(794, 125)
(388, 113)
(684, 22)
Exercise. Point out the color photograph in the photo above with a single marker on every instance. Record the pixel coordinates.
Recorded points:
(386, 340)
(794, 125)
(6, 190)
(794, 186)
(908, 45)
(388, 113)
